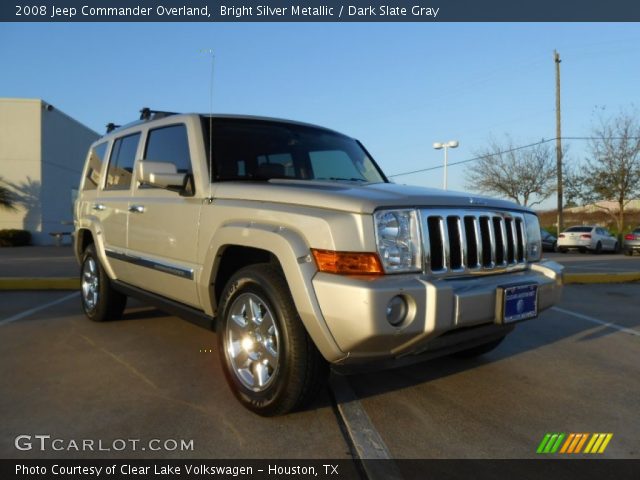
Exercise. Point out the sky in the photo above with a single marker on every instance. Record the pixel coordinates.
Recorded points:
(396, 87)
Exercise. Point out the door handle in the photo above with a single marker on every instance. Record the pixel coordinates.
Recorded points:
(98, 206)
(136, 208)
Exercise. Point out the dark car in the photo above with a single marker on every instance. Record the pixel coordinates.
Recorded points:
(549, 241)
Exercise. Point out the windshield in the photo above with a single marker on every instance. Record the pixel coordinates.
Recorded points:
(579, 229)
(247, 149)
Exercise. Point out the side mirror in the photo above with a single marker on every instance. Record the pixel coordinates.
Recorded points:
(161, 174)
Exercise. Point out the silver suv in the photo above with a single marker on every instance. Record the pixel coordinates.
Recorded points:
(289, 240)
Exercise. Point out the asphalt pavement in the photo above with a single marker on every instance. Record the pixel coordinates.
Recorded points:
(155, 376)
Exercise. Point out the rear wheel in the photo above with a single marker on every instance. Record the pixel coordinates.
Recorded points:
(100, 301)
(598, 249)
(628, 253)
(562, 250)
(269, 360)
(479, 350)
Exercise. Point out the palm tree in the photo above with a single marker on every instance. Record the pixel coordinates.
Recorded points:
(6, 197)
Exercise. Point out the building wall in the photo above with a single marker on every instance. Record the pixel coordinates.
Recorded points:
(20, 152)
(65, 142)
(42, 152)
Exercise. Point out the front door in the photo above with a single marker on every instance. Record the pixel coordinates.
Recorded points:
(163, 225)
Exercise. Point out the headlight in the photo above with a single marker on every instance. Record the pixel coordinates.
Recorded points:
(398, 240)
(534, 241)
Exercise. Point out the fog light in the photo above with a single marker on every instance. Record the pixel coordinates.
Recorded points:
(396, 310)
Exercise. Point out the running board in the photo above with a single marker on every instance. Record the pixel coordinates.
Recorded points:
(193, 315)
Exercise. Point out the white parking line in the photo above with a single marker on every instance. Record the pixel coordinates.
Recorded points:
(599, 322)
(31, 311)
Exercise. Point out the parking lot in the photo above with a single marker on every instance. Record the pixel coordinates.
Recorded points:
(154, 376)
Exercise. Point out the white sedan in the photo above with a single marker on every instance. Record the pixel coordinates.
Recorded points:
(587, 237)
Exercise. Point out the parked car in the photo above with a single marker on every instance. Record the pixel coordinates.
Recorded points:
(587, 237)
(632, 242)
(549, 241)
(290, 240)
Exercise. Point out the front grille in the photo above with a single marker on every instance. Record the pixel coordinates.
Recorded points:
(469, 241)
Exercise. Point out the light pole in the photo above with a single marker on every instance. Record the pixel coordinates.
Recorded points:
(446, 146)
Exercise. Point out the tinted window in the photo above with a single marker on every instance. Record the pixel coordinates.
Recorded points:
(96, 157)
(579, 229)
(169, 144)
(123, 156)
(245, 149)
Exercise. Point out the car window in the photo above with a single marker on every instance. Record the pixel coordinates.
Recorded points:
(579, 229)
(637, 230)
(169, 144)
(96, 158)
(123, 156)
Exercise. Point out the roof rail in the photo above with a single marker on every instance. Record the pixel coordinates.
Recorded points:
(147, 114)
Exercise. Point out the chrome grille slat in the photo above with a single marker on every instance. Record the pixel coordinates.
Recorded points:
(472, 241)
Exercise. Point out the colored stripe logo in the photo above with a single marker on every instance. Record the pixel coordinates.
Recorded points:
(573, 443)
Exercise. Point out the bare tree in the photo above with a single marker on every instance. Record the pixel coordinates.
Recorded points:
(612, 173)
(524, 175)
(6, 197)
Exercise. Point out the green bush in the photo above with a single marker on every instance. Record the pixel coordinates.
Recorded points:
(14, 238)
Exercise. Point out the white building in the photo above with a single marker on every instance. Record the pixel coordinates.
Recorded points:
(42, 153)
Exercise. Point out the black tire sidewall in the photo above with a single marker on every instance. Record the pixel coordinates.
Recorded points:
(250, 280)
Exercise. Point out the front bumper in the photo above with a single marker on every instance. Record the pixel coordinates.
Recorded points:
(355, 309)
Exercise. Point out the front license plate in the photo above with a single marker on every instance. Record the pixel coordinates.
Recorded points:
(520, 303)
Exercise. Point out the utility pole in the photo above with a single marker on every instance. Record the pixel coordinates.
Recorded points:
(556, 57)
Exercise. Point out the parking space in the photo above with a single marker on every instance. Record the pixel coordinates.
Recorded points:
(152, 376)
(144, 377)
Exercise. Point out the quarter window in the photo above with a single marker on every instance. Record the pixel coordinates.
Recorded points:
(96, 158)
(123, 156)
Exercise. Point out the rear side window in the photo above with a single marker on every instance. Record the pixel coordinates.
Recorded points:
(96, 158)
(169, 144)
(123, 156)
(580, 229)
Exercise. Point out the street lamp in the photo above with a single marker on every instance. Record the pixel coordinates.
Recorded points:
(446, 146)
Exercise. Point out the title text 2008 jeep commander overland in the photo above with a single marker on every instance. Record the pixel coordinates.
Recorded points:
(298, 250)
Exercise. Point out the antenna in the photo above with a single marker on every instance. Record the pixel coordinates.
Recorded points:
(210, 52)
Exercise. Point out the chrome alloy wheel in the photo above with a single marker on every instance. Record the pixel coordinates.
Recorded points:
(252, 342)
(90, 279)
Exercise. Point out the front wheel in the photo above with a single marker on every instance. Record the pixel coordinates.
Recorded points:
(269, 360)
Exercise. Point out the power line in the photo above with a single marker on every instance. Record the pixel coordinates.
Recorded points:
(479, 157)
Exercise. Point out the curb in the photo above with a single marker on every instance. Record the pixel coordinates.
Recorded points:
(53, 283)
(586, 278)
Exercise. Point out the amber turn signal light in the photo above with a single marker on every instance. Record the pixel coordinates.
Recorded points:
(347, 263)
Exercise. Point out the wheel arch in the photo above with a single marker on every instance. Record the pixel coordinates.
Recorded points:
(241, 245)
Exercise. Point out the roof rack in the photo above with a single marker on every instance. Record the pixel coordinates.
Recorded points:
(111, 127)
(148, 114)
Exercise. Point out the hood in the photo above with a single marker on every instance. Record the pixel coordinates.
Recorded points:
(353, 197)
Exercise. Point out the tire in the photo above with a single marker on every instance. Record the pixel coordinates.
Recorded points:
(479, 350)
(562, 250)
(598, 249)
(100, 301)
(280, 368)
(628, 253)
(582, 249)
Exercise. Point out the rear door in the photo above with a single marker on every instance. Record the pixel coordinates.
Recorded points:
(112, 204)
(163, 224)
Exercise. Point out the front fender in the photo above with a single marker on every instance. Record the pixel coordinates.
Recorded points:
(294, 256)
